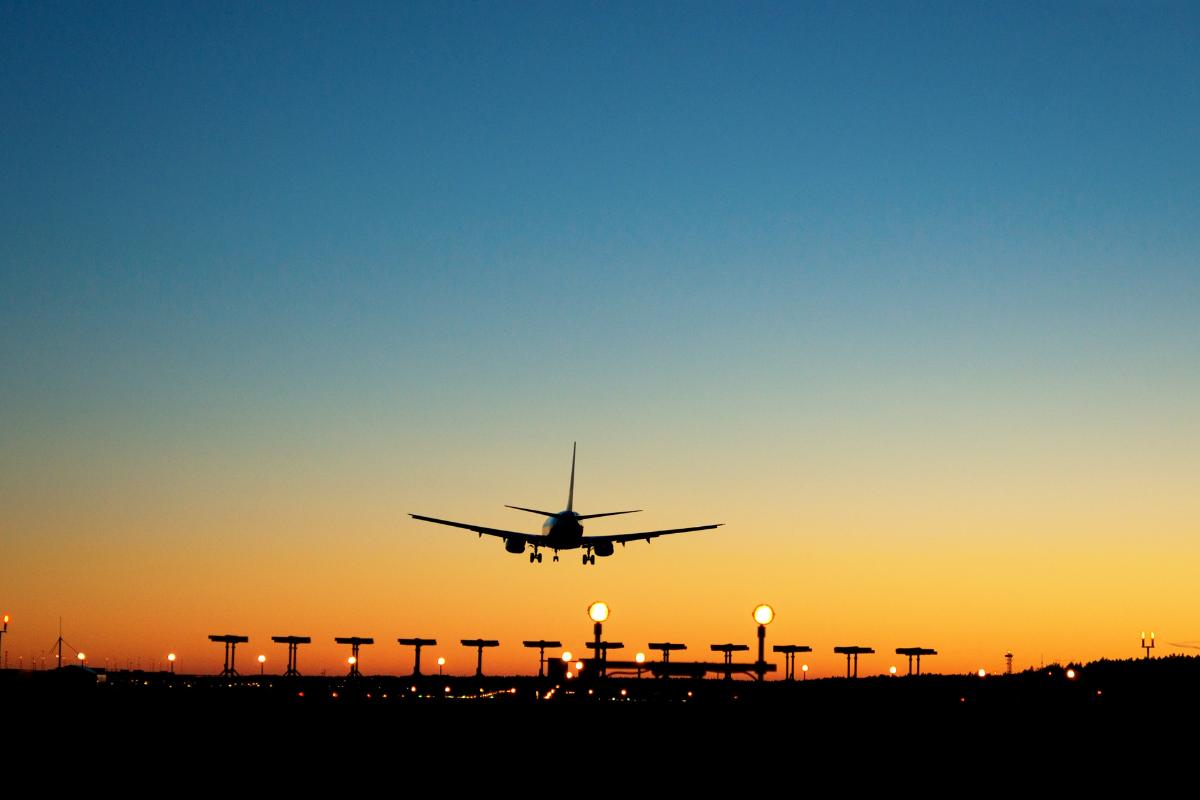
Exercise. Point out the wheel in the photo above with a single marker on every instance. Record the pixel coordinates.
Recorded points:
(539, 558)
(585, 559)
(532, 557)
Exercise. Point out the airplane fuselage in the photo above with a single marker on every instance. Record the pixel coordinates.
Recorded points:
(563, 531)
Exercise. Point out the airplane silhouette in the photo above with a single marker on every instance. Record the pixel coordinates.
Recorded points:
(562, 531)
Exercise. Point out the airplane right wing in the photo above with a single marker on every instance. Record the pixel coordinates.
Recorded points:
(503, 534)
(647, 535)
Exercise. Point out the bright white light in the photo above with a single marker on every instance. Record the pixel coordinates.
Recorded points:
(598, 611)
(763, 614)
(352, 661)
(982, 672)
(262, 659)
(566, 656)
(640, 658)
(1071, 674)
(892, 670)
(170, 656)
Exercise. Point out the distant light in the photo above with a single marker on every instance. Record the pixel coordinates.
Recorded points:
(624, 693)
(411, 689)
(804, 667)
(982, 672)
(566, 656)
(570, 674)
(579, 666)
(689, 692)
(6, 619)
(441, 661)
(892, 670)
(598, 611)
(763, 614)
(352, 661)
(81, 657)
(640, 658)
(1071, 674)
(447, 690)
(170, 657)
(262, 659)
(591, 691)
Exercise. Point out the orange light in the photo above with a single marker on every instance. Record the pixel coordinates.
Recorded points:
(81, 657)
(640, 658)
(579, 666)
(982, 672)
(171, 657)
(352, 661)
(1071, 674)
(262, 659)
(566, 656)
(763, 614)
(598, 611)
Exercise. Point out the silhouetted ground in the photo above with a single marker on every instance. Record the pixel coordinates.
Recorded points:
(922, 728)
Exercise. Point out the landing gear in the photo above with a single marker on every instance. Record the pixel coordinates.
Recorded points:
(588, 558)
(535, 557)
(556, 555)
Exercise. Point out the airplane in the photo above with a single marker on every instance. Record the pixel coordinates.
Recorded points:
(562, 531)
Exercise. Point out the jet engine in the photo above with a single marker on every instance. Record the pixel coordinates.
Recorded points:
(514, 545)
(603, 549)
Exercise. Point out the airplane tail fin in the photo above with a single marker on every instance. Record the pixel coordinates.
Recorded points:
(571, 491)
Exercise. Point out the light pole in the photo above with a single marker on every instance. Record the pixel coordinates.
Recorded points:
(598, 611)
(262, 662)
(640, 658)
(441, 663)
(171, 661)
(763, 615)
(1146, 647)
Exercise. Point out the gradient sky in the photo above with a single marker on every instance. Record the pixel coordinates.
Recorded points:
(907, 295)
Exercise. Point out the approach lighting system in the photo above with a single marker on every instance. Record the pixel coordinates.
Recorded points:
(598, 611)
(763, 614)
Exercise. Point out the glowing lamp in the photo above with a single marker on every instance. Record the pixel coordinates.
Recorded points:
(579, 666)
(566, 656)
(1071, 674)
(81, 657)
(892, 670)
(982, 672)
(640, 658)
(262, 659)
(763, 614)
(441, 661)
(598, 611)
(171, 657)
(352, 661)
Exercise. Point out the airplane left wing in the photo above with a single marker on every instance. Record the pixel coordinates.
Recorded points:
(647, 535)
(503, 534)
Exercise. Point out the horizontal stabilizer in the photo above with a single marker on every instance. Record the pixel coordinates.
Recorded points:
(535, 511)
(607, 514)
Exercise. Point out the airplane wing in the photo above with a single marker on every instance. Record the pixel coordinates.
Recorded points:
(647, 535)
(505, 535)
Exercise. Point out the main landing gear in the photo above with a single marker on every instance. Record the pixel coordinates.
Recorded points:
(535, 557)
(588, 558)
